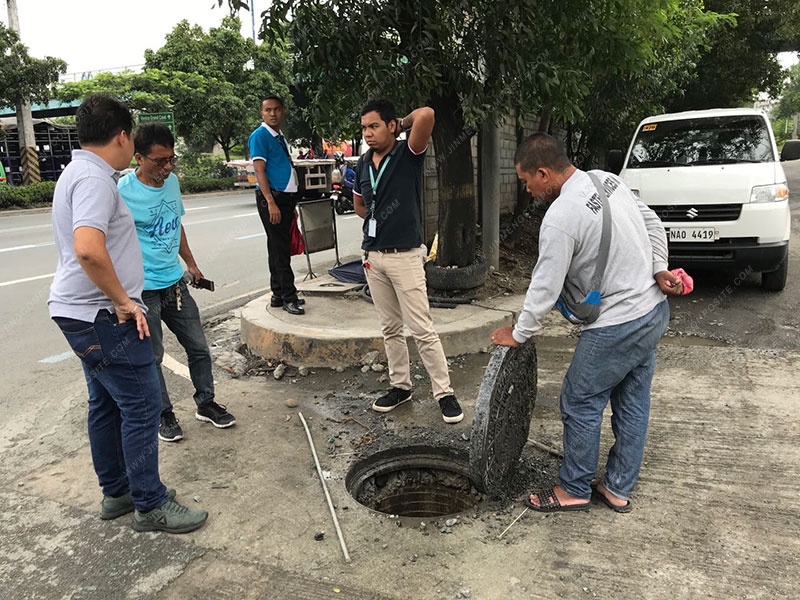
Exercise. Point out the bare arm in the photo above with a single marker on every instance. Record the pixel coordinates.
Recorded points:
(419, 123)
(359, 206)
(92, 255)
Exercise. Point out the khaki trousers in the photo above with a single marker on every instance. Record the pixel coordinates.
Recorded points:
(397, 284)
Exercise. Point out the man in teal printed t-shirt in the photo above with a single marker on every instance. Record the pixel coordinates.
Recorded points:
(153, 195)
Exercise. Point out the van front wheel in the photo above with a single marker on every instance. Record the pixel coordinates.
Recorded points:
(775, 281)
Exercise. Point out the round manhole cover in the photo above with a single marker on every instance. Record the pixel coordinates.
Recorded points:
(502, 416)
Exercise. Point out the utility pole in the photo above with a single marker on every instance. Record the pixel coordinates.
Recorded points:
(794, 128)
(253, 18)
(28, 154)
(490, 190)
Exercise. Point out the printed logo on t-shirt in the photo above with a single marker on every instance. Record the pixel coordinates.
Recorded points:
(595, 204)
(164, 226)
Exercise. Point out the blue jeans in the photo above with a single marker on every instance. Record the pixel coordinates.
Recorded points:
(185, 324)
(613, 363)
(124, 406)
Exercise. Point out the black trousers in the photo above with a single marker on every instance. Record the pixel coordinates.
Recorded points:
(281, 276)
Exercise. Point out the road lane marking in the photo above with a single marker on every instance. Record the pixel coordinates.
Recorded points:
(196, 208)
(176, 367)
(250, 214)
(253, 235)
(10, 229)
(15, 281)
(58, 357)
(26, 247)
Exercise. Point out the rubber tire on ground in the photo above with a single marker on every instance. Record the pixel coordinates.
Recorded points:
(775, 281)
(464, 278)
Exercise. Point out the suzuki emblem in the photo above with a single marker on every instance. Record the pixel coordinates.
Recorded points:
(692, 213)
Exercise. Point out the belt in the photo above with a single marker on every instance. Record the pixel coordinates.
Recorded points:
(395, 250)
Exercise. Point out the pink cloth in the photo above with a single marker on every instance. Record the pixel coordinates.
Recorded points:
(688, 282)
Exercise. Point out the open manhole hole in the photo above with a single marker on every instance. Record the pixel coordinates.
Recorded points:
(414, 481)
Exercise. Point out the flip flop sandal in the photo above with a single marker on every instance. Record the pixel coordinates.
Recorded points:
(626, 508)
(548, 502)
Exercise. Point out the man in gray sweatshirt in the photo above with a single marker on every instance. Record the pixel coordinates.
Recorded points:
(615, 356)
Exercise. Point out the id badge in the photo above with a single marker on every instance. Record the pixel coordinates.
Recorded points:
(372, 228)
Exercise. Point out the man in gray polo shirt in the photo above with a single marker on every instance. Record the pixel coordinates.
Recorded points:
(96, 301)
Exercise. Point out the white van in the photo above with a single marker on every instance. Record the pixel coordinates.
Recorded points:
(714, 178)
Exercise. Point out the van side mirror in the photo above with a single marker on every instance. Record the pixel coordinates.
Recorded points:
(614, 161)
(791, 150)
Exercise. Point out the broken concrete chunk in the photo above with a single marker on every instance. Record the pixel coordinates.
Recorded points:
(365, 369)
(378, 367)
(303, 371)
(279, 371)
(370, 358)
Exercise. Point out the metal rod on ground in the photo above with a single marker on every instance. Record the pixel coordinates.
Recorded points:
(547, 449)
(325, 489)
(512, 523)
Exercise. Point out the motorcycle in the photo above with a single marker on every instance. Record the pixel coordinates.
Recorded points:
(342, 197)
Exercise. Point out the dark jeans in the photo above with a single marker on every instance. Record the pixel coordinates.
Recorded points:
(124, 406)
(281, 276)
(185, 324)
(610, 364)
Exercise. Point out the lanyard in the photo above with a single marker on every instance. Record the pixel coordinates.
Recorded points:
(372, 179)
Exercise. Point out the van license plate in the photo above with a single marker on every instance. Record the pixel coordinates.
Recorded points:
(693, 234)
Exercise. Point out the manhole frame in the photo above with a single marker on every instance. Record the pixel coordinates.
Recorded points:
(413, 456)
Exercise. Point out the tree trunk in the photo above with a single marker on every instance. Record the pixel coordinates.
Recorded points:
(454, 169)
(544, 119)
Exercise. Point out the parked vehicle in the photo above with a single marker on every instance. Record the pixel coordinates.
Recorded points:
(714, 178)
(342, 197)
(3, 174)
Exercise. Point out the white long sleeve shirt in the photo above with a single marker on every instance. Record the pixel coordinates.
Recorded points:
(569, 240)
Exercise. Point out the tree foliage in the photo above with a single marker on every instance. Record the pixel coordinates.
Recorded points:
(741, 58)
(789, 104)
(472, 61)
(23, 77)
(212, 81)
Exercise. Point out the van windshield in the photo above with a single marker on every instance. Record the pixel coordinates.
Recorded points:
(706, 141)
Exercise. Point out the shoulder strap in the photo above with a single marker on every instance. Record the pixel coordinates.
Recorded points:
(605, 236)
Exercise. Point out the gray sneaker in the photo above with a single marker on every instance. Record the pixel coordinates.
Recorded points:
(170, 517)
(111, 507)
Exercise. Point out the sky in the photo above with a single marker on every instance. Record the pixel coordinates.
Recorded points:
(93, 35)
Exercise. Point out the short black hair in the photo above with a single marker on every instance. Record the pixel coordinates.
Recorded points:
(382, 106)
(152, 134)
(100, 117)
(541, 150)
(272, 97)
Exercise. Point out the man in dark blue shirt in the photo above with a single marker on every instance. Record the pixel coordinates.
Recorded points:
(276, 198)
(387, 194)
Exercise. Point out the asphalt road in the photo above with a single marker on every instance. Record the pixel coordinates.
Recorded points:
(39, 372)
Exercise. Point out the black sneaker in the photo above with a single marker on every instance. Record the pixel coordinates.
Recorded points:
(169, 430)
(216, 414)
(451, 411)
(392, 400)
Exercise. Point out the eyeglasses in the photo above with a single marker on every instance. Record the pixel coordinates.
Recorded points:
(162, 162)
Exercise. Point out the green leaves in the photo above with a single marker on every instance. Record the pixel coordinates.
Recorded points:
(21, 76)
(212, 81)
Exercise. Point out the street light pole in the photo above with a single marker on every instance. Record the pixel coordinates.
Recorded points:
(28, 154)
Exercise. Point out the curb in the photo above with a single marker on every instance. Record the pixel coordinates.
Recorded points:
(270, 335)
